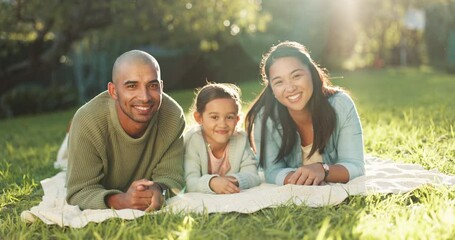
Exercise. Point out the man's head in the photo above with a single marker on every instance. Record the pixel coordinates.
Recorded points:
(137, 89)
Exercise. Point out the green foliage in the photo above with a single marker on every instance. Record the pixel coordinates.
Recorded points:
(36, 37)
(166, 22)
(33, 99)
(204, 24)
(217, 40)
(379, 33)
(440, 21)
(295, 20)
(406, 117)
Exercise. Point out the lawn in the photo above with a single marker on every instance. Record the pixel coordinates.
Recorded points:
(407, 115)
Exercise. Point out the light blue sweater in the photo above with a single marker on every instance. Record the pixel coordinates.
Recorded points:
(345, 146)
(241, 158)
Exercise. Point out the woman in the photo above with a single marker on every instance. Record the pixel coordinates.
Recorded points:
(303, 130)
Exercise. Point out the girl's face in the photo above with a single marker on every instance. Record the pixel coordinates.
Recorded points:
(218, 121)
(291, 83)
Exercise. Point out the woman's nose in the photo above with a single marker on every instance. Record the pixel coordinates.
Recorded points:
(290, 87)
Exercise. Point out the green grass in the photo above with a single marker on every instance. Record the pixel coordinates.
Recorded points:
(408, 115)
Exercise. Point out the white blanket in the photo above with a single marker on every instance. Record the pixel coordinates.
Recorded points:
(382, 176)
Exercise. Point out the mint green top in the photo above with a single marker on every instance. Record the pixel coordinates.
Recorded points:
(103, 159)
(345, 145)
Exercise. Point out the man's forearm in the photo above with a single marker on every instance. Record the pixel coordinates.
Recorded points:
(115, 201)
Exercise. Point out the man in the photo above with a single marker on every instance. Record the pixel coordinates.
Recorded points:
(125, 146)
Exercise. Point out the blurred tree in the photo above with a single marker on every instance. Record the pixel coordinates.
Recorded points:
(294, 20)
(37, 35)
(383, 37)
(341, 36)
(378, 31)
(440, 23)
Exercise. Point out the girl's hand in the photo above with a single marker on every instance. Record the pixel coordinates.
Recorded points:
(312, 174)
(224, 185)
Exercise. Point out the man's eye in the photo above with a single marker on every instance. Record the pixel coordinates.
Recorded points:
(131, 85)
(154, 86)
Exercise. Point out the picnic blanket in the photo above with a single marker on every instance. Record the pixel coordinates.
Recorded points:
(382, 176)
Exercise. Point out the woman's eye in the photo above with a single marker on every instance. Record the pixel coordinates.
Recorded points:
(276, 83)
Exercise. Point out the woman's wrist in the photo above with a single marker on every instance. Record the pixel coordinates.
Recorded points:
(326, 169)
(288, 176)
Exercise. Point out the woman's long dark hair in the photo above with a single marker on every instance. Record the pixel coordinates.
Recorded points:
(322, 113)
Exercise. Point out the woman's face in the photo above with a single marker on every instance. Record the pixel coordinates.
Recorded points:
(291, 83)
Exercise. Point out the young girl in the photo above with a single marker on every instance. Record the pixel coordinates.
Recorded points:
(299, 121)
(218, 157)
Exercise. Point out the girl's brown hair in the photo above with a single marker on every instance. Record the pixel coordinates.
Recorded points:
(213, 91)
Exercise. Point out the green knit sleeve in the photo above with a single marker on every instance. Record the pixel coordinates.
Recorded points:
(85, 166)
(169, 170)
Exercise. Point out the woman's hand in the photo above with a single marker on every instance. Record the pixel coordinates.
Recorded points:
(312, 174)
(224, 185)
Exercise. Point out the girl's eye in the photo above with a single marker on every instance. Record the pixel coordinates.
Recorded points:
(214, 117)
(230, 117)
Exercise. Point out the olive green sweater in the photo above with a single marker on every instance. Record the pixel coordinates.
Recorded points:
(103, 159)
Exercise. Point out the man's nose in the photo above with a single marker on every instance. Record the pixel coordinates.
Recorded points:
(144, 94)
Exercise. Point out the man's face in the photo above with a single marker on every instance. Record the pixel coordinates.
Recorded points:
(138, 93)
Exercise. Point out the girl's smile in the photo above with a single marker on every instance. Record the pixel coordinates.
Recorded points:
(218, 121)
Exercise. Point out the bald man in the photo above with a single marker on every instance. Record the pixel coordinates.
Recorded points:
(125, 145)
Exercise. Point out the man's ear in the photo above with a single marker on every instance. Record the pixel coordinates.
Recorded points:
(111, 90)
(198, 117)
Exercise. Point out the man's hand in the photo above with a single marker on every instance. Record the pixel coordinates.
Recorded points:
(142, 195)
(312, 174)
(224, 185)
